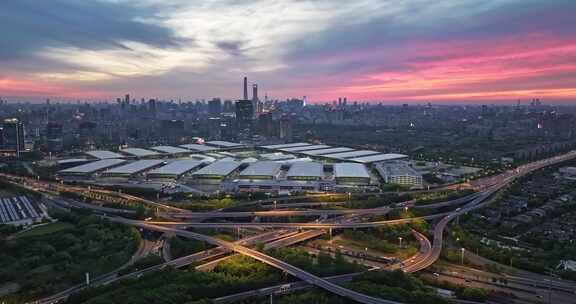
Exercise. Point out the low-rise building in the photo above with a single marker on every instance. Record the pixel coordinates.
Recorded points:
(305, 171)
(91, 168)
(175, 169)
(133, 168)
(21, 211)
(216, 171)
(261, 170)
(351, 174)
(399, 172)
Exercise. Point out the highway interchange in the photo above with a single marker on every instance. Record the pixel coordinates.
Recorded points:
(487, 188)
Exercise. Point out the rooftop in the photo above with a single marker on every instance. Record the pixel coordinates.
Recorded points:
(351, 154)
(138, 152)
(306, 169)
(219, 168)
(277, 156)
(94, 166)
(71, 161)
(350, 170)
(224, 144)
(135, 167)
(398, 168)
(262, 168)
(282, 146)
(199, 148)
(170, 149)
(304, 148)
(177, 167)
(327, 151)
(378, 158)
(101, 154)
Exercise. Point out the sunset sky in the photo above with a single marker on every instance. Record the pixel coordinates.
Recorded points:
(368, 50)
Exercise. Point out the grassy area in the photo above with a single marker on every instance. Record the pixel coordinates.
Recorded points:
(408, 249)
(54, 257)
(237, 274)
(436, 197)
(45, 229)
(180, 246)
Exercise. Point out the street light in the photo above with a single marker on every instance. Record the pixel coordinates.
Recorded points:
(463, 255)
(400, 241)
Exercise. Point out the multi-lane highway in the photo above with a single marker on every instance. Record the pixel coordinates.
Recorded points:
(294, 271)
(488, 186)
(276, 213)
(495, 183)
(312, 225)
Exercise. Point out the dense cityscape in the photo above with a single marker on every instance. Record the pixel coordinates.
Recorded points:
(111, 191)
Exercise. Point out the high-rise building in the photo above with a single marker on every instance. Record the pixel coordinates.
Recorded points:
(172, 130)
(245, 88)
(245, 114)
(228, 106)
(266, 125)
(255, 100)
(227, 127)
(152, 106)
(214, 131)
(13, 135)
(244, 118)
(87, 131)
(286, 128)
(54, 141)
(214, 107)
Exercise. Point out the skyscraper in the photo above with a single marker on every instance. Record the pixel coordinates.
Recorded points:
(214, 131)
(214, 107)
(245, 114)
(286, 128)
(245, 88)
(13, 133)
(255, 100)
(244, 118)
(228, 106)
(266, 124)
(152, 107)
(54, 141)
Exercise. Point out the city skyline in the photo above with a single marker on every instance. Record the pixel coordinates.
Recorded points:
(390, 51)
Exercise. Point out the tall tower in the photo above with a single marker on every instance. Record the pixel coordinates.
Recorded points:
(245, 88)
(13, 133)
(255, 100)
(254, 92)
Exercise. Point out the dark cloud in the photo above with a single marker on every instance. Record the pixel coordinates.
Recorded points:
(231, 47)
(470, 20)
(29, 26)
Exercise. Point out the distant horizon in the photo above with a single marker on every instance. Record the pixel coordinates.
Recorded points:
(473, 51)
(56, 100)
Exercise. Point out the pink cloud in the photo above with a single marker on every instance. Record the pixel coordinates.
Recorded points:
(31, 88)
(533, 65)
